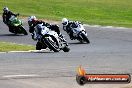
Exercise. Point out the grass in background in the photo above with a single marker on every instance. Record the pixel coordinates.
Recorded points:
(4, 47)
(101, 12)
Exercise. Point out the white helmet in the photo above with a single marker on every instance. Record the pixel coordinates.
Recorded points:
(5, 9)
(64, 21)
(32, 18)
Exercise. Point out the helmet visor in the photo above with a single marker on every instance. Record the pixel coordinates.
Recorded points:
(64, 23)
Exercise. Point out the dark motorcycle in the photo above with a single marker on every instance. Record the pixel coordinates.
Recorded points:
(17, 26)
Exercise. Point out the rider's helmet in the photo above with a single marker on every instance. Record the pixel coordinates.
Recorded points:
(31, 20)
(64, 22)
(5, 9)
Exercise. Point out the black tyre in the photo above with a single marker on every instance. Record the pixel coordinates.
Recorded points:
(24, 30)
(66, 49)
(38, 46)
(52, 45)
(85, 38)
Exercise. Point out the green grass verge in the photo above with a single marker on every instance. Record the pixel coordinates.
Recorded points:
(4, 47)
(101, 12)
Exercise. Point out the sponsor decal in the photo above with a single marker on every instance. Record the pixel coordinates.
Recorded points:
(82, 77)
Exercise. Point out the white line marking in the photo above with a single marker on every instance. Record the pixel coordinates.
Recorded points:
(14, 76)
(42, 50)
(18, 51)
(38, 50)
(2, 52)
(99, 26)
(108, 27)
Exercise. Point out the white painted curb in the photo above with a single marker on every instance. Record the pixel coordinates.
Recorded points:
(16, 76)
(109, 27)
(42, 50)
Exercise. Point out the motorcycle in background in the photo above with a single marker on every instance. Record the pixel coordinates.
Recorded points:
(79, 32)
(17, 25)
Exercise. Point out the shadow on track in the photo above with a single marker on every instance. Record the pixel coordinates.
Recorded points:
(76, 43)
(10, 35)
(43, 52)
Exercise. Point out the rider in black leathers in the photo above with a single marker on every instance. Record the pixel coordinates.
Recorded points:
(6, 16)
(32, 22)
(67, 26)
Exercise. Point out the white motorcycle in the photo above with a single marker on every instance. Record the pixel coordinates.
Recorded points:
(79, 32)
(49, 38)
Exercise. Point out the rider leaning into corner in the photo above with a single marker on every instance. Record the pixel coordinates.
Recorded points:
(33, 21)
(6, 16)
(67, 26)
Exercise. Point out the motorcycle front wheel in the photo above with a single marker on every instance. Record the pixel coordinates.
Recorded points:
(85, 38)
(52, 44)
(23, 30)
(66, 49)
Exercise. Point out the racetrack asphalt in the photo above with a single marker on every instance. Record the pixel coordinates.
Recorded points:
(110, 51)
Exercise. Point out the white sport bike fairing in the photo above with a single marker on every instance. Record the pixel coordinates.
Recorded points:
(50, 39)
(79, 32)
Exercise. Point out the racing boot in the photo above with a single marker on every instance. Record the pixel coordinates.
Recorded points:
(11, 29)
(71, 35)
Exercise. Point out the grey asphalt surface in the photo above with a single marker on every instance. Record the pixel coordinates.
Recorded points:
(110, 51)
